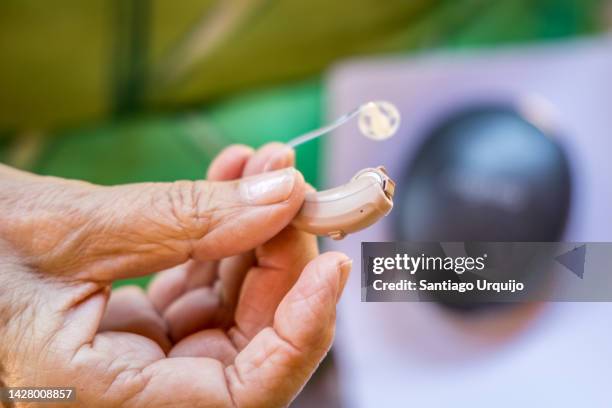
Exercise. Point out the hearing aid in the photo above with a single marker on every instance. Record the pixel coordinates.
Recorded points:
(348, 208)
(368, 196)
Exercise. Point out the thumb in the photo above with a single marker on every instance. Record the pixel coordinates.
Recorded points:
(107, 233)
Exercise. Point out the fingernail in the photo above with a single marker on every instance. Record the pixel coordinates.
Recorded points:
(268, 188)
(279, 160)
(345, 269)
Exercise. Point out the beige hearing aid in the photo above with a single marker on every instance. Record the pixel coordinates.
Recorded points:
(349, 208)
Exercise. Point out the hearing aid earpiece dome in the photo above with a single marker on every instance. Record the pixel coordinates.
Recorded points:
(379, 120)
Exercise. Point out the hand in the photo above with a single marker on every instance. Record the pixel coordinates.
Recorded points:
(242, 318)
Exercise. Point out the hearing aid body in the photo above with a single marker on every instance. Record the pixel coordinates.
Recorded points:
(348, 208)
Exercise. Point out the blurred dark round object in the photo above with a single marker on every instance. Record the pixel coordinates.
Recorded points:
(485, 173)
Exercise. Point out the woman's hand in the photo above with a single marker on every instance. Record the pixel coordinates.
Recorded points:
(242, 317)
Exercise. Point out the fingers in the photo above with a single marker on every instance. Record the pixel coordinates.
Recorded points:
(280, 261)
(284, 356)
(242, 161)
(279, 264)
(171, 285)
(187, 300)
(229, 164)
(194, 310)
(231, 274)
(129, 310)
(272, 156)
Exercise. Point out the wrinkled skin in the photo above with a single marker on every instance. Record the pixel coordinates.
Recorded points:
(241, 314)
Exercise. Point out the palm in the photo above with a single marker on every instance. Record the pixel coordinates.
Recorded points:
(219, 320)
(223, 318)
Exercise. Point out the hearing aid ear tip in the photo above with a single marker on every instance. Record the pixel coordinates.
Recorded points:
(379, 120)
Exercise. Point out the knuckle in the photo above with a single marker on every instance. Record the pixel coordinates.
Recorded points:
(189, 203)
